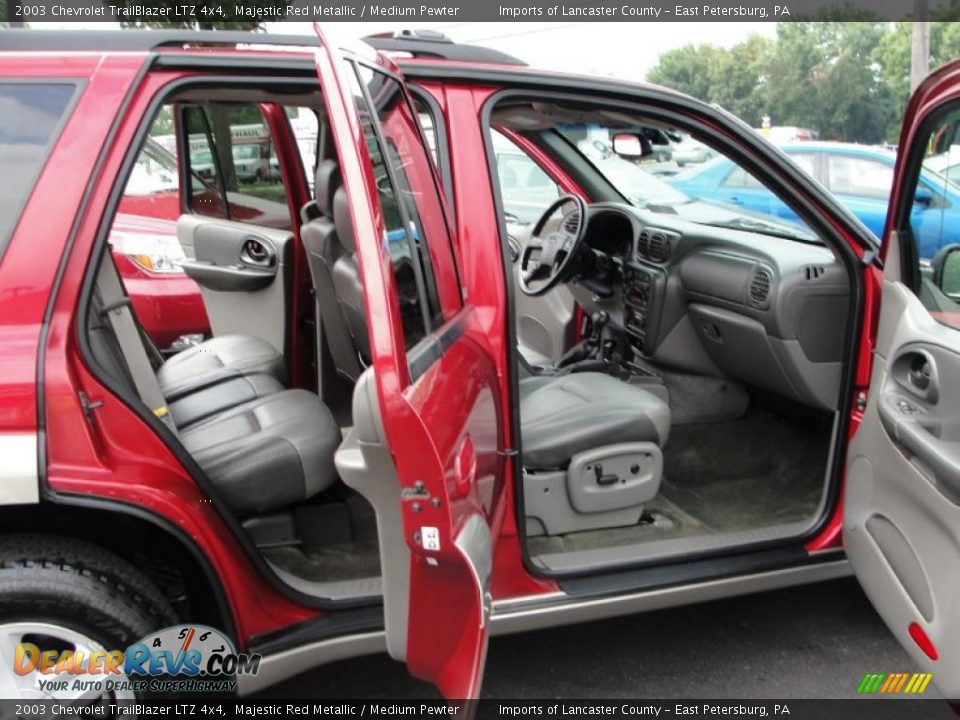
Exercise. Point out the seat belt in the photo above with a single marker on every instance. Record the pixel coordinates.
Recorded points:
(119, 312)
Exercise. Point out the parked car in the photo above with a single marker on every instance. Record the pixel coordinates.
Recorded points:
(798, 393)
(859, 176)
(690, 151)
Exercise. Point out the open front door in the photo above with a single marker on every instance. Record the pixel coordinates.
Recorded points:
(902, 505)
(438, 394)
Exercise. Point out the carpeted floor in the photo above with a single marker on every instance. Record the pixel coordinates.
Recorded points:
(761, 470)
(342, 561)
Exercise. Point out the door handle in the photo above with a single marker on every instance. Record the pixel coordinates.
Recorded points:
(735, 201)
(233, 278)
(913, 429)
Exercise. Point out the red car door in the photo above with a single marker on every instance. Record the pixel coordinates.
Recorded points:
(440, 400)
(902, 495)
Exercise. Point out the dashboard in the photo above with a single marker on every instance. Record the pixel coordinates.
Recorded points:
(766, 310)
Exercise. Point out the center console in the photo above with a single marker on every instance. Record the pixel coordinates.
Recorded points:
(643, 287)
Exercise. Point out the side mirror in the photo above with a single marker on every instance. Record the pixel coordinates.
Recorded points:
(923, 197)
(628, 145)
(946, 270)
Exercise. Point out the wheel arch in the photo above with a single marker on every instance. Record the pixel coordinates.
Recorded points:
(164, 553)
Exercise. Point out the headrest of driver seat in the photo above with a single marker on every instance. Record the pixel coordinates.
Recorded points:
(343, 221)
(326, 182)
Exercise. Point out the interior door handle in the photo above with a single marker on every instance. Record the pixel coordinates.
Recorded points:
(912, 430)
(236, 278)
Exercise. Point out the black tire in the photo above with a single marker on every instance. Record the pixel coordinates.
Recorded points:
(75, 584)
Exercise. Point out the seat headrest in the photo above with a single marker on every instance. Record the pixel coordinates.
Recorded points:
(326, 182)
(343, 221)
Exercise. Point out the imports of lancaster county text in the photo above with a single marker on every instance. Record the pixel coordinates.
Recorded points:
(647, 12)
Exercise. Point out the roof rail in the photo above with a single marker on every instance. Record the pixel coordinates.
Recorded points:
(433, 44)
(142, 40)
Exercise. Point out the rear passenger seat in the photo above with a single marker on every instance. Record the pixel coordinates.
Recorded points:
(264, 447)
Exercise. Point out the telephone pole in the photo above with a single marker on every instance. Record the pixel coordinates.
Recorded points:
(920, 44)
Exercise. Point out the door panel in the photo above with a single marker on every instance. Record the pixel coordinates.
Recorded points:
(244, 274)
(902, 508)
(902, 498)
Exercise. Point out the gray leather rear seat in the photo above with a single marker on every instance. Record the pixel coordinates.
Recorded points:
(268, 453)
(263, 447)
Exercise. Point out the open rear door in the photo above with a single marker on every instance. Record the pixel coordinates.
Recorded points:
(438, 392)
(902, 505)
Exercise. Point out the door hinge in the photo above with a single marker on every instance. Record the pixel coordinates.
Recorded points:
(88, 405)
(508, 453)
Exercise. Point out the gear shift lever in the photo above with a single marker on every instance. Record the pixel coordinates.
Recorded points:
(598, 321)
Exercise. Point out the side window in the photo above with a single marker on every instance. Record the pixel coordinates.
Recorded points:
(934, 223)
(31, 115)
(525, 187)
(305, 125)
(740, 178)
(806, 161)
(228, 165)
(417, 234)
(859, 177)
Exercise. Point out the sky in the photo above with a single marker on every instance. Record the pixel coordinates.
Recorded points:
(626, 49)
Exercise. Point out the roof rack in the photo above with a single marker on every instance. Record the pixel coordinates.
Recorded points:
(433, 44)
(143, 40)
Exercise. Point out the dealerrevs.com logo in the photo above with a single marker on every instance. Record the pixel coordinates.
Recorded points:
(180, 658)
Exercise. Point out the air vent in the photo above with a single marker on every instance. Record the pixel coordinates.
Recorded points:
(571, 222)
(812, 272)
(760, 287)
(659, 247)
(654, 245)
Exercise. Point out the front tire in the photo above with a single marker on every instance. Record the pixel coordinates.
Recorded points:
(60, 593)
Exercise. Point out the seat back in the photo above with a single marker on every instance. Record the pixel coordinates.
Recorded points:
(346, 278)
(324, 250)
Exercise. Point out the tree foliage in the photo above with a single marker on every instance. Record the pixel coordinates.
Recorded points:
(848, 80)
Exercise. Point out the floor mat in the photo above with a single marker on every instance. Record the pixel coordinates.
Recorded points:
(761, 470)
(721, 477)
(665, 520)
(342, 561)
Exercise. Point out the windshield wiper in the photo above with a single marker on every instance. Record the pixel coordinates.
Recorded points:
(758, 226)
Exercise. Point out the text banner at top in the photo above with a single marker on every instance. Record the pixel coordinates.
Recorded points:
(180, 12)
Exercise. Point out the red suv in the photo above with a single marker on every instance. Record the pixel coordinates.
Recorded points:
(422, 418)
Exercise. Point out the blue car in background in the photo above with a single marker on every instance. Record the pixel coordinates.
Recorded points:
(859, 176)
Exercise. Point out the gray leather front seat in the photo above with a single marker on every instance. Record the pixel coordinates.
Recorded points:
(328, 240)
(562, 415)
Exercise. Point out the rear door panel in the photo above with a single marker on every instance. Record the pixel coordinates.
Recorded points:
(440, 409)
(244, 275)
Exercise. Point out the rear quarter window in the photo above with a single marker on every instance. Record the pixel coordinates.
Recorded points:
(31, 117)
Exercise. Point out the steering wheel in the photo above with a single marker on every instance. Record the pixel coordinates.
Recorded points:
(555, 252)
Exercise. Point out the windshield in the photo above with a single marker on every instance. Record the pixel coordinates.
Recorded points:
(632, 181)
(670, 192)
(246, 152)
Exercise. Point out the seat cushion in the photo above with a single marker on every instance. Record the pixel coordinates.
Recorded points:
(217, 360)
(562, 415)
(218, 397)
(268, 453)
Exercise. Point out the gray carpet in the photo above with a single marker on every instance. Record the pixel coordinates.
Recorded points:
(720, 477)
(342, 561)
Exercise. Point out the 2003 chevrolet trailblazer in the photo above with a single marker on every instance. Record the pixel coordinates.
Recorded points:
(421, 421)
